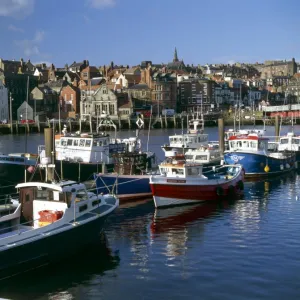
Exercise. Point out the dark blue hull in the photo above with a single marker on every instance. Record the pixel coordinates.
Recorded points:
(50, 249)
(137, 185)
(79, 171)
(255, 164)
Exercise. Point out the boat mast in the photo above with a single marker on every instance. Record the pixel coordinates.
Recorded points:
(240, 106)
(26, 112)
(149, 127)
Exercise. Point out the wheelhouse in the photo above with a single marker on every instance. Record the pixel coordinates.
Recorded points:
(250, 142)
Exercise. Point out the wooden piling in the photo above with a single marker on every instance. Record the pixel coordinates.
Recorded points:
(221, 136)
(276, 128)
(49, 151)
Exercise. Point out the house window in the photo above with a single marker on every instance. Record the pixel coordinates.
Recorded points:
(111, 109)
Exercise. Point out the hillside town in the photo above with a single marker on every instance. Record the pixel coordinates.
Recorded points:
(79, 89)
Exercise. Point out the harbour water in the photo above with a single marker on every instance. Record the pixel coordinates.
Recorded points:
(246, 249)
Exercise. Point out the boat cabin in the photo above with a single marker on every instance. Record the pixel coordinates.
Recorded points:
(37, 198)
(180, 169)
(87, 148)
(249, 143)
(204, 154)
(290, 142)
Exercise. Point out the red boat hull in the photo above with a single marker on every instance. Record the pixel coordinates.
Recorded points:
(166, 194)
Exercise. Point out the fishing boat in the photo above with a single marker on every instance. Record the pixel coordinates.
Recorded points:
(130, 179)
(182, 182)
(80, 155)
(251, 150)
(49, 221)
(290, 143)
(192, 139)
(207, 155)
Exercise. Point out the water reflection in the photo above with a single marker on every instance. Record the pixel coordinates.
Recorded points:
(176, 224)
(248, 213)
(66, 279)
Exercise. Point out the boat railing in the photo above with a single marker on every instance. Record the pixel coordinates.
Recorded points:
(18, 228)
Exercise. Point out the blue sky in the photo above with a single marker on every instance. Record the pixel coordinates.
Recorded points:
(130, 31)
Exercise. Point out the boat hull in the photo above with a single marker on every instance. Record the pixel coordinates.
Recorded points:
(128, 187)
(177, 192)
(12, 174)
(79, 171)
(49, 249)
(255, 164)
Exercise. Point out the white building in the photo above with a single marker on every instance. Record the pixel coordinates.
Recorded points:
(4, 111)
(25, 112)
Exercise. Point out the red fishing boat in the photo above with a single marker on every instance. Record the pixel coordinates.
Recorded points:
(182, 182)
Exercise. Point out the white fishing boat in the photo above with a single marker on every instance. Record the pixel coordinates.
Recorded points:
(192, 139)
(290, 143)
(207, 155)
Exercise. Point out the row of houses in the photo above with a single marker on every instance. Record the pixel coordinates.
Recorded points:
(80, 89)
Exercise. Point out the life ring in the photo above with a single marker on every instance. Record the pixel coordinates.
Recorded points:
(220, 191)
(240, 185)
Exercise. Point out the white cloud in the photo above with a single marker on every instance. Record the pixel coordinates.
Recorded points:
(31, 47)
(16, 8)
(101, 3)
(14, 28)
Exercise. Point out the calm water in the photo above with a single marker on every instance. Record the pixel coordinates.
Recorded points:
(247, 249)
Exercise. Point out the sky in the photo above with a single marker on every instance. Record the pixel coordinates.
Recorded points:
(130, 31)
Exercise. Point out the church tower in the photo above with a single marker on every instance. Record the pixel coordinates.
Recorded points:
(175, 55)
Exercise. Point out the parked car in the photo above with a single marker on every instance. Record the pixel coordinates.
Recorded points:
(27, 121)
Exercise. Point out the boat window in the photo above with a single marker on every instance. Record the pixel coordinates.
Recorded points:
(42, 194)
(81, 195)
(57, 143)
(253, 145)
(95, 143)
(189, 156)
(261, 145)
(63, 142)
(76, 142)
(201, 157)
(193, 171)
(245, 144)
(70, 142)
(284, 141)
(104, 142)
(88, 143)
(81, 143)
(177, 171)
(296, 141)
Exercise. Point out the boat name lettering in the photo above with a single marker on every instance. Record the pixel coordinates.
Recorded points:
(176, 180)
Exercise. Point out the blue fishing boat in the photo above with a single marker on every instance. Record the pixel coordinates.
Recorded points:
(127, 187)
(251, 151)
(130, 180)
